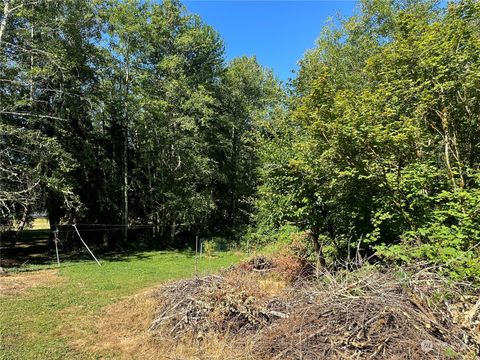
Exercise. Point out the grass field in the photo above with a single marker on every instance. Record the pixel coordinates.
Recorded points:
(44, 312)
(40, 224)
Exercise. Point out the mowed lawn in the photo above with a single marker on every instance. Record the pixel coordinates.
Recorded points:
(44, 312)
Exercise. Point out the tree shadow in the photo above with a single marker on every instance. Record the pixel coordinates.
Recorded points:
(33, 249)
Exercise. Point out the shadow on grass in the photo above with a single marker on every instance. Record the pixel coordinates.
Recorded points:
(33, 249)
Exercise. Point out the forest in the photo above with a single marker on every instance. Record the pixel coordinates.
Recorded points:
(126, 114)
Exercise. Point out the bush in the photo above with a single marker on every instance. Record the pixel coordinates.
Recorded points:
(216, 244)
(448, 239)
(269, 239)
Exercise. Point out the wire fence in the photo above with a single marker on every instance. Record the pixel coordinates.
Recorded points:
(67, 237)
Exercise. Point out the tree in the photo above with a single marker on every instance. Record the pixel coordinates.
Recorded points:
(126, 22)
(249, 96)
(183, 60)
(36, 81)
(379, 134)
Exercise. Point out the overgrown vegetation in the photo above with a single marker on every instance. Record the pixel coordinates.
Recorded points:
(379, 152)
(129, 116)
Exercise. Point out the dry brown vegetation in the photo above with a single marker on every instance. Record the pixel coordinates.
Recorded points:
(12, 284)
(123, 327)
(270, 309)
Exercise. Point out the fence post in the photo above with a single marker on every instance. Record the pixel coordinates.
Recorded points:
(55, 235)
(196, 256)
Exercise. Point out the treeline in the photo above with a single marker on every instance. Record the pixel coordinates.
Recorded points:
(379, 153)
(126, 112)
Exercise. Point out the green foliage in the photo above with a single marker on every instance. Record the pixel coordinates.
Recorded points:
(448, 239)
(209, 247)
(126, 112)
(156, 127)
(249, 97)
(215, 244)
(268, 238)
(380, 142)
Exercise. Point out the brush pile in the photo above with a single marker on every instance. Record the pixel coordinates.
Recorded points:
(214, 303)
(367, 314)
(374, 317)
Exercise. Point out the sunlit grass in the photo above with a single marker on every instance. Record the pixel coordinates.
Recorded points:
(40, 224)
(38, 324)
(37, 224)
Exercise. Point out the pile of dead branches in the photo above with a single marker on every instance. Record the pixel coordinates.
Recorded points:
(290, 267)
(375, 317)
(215, 303)
(356, 315)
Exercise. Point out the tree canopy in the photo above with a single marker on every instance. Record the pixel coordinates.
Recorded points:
(125, 112)
(382, 136)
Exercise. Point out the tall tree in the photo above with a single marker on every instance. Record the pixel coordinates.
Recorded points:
(38, 88)
(126, 22)
(184, 58)
(250, 95)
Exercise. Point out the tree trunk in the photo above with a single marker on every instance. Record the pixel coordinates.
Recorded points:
(105, 239)
(125, 154)
(318, 246)
(32, 88)
(173, 230)
(233, 181)
(21, 226)
(3, 23)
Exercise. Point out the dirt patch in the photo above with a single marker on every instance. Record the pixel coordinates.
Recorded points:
(118, 332)
(12, 284)
(122, 332)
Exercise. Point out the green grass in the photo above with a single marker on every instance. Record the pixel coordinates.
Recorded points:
(32, 324)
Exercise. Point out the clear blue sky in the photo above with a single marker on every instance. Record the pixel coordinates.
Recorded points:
(277, 32)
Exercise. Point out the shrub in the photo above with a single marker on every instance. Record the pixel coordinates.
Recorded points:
(270, 239)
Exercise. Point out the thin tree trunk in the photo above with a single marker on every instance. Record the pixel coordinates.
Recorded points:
(446, 140)
(105, 239)
(31, 66)
(151, 211)
(125, 154)
(457, 156)
(3, 23)
(318, 246)
(173, 230)
(233, 181)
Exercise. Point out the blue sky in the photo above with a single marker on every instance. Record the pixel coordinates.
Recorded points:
(277, 32)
